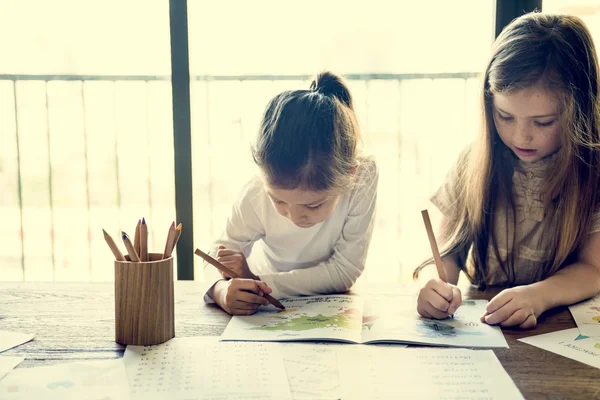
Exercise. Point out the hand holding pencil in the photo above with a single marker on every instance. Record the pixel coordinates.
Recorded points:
(243, 285)
(437, 299)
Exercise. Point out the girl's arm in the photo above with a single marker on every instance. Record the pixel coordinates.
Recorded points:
(243, 228)
(522, 305)
(575, 282)
(338, 273)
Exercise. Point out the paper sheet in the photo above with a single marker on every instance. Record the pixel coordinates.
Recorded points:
(7, 364)
(569, 343)
(370, 372)
(203, 368)
(312, 369)
(90, 380)
(8, 340)
(587, 317)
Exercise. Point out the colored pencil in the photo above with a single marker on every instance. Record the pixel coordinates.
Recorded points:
(133, 256)
(136, 238)
(113, 246)
(144, 240)
(434, 248)
(170, 239)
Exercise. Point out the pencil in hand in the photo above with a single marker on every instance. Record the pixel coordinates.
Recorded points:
(113, 247)
(232, 274)
(434, 248)
(133, 256)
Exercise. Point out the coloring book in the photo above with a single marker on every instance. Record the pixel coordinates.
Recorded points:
(352, 319)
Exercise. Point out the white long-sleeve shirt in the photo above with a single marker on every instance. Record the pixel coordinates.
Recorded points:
(325, 258)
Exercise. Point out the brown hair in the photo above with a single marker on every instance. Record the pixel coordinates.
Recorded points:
(556, 51)
(308, 138)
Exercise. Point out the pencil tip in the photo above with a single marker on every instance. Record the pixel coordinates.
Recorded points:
(143, 221)
(179, 226)
(173, 224)
(103, 231)
(123, 235)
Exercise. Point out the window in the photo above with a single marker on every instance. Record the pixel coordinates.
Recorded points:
(413, 74)
(85, 134)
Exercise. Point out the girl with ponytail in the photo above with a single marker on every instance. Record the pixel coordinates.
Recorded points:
(307, 217)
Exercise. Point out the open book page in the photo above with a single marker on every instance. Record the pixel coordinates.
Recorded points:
(336, 317)
(395, 318)
(393, 373)
(203, 368)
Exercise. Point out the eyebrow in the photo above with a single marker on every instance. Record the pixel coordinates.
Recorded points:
(314, 203)
(533, 116)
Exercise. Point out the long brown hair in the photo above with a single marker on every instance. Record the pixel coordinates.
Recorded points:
(556, 51)
(308, 138)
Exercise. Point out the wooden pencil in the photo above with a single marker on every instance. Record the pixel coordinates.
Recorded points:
(176, 237)
(232, 274)
(434, 248)
(136, 237)
(113, 246)
(144, 240)
(170, 238)
(133, 256)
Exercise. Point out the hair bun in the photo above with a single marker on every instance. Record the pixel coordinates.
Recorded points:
(330, 84)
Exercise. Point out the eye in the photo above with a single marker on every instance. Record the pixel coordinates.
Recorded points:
(503, 118)
(315, 207)
(277, 201)
(544, 124)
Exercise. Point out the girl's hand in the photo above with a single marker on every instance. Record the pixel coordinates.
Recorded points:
(438, 299)
(241, 296)
(518, 306)
(235, 261)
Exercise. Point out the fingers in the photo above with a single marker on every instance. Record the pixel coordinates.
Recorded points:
(436, 298)
(441, 288)
(429, 311)
(499, 301)
(529, 323)
(264, 287)
(456, 300)
(501, 314)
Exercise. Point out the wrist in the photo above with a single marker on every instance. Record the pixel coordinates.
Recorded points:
(543, 298)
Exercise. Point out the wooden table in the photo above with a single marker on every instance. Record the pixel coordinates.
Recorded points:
(75, 321)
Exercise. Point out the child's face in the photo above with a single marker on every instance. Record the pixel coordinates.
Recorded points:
(304, 208)
(527, 121)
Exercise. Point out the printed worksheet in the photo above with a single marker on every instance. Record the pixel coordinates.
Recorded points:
(375, 373)
(90, 380)
(350, 319)
(8, 340)
(569, 343)
(205, 369)
(587, 316)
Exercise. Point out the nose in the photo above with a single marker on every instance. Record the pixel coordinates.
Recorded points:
(295, 214)
(523, 133)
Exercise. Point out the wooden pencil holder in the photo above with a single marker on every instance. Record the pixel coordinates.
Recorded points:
(144, 301)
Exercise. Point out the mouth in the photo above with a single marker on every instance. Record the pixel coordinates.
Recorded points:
(525, 152)
(304, 225)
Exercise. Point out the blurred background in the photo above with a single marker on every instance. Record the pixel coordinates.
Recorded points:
(87, 139)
